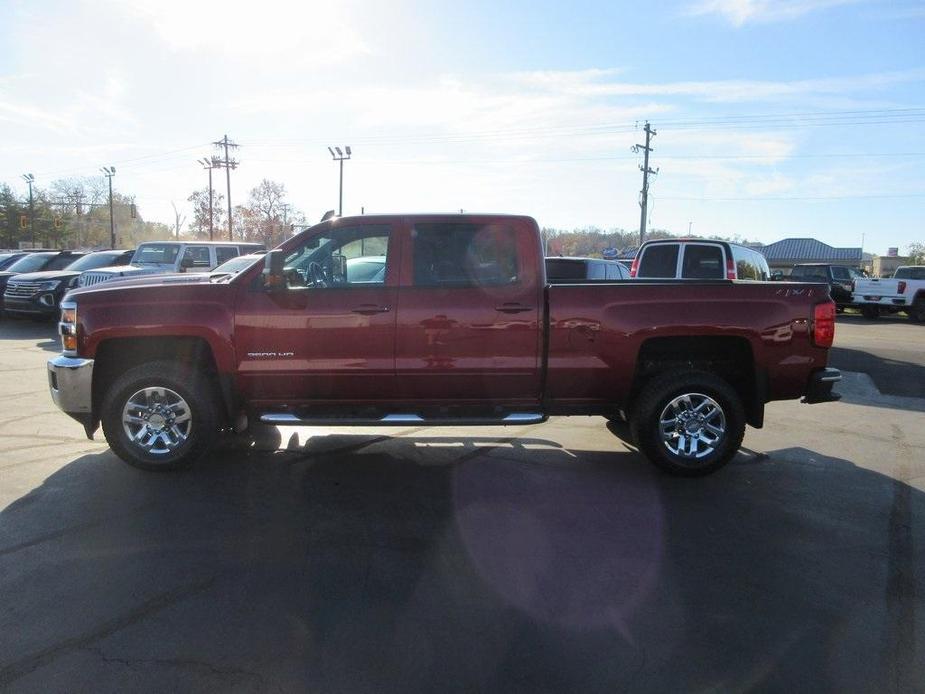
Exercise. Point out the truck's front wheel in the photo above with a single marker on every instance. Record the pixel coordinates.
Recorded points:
(688, 423)
(160, 416)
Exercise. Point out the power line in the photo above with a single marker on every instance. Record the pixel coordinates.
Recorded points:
(807, 197)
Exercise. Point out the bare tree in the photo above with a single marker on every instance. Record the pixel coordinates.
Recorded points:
(178, 219)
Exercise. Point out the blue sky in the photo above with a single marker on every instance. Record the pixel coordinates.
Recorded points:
(774, 118)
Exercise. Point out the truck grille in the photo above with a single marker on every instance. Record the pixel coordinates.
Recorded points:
(88, 279)
(21, 290)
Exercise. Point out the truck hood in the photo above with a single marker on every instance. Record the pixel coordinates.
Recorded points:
(157, 289)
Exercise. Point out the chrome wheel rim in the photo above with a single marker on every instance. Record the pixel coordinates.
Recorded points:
(692, 425)
(157, 420)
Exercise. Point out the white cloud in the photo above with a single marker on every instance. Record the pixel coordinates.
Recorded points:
(740, 12)
(303, 33)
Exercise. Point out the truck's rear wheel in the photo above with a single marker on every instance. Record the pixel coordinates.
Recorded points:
(688, 423)
(917, 312)
(870, 312)
(160, 416)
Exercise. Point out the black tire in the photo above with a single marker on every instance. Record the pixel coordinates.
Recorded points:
(183, 380)
(917, 312)
(870, 312)
(654, 400)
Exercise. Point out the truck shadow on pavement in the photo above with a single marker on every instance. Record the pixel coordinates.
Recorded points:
(44, 331)
(892, 376)
(404, 563)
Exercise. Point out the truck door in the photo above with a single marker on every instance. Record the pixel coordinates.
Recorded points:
(469, 312)
(329, 336)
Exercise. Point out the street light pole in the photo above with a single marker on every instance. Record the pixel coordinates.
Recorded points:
(341, 158)
(29, 178)
(109, 172)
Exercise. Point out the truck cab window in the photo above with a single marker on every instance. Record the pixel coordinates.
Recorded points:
(464, 255)
(345, 257)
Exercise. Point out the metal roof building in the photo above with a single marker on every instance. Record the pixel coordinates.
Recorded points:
(789, 252)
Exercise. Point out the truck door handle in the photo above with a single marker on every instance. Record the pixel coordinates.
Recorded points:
(512, 308)
(370, 309)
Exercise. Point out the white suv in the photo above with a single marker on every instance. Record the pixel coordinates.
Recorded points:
(165, 257)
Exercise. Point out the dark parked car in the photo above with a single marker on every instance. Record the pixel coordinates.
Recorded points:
(40, 293)
(573, 269)
(7, 259)
(37, 262)
(839, 278)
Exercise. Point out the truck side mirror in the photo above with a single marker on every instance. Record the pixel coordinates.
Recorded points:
(186, 262)
(274, 271)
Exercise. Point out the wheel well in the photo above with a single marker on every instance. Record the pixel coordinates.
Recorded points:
(115, 356)
(728, 357)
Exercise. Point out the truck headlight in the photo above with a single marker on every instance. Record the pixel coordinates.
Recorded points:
(68, 327)
(49, 285)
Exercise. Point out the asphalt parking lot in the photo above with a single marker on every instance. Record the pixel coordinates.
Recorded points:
(545, 558)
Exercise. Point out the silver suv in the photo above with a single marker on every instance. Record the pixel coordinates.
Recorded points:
(165, 257)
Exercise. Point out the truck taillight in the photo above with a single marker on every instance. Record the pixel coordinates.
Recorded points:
(730, 268)
(824, 324)
(634, 268)
(901, 287)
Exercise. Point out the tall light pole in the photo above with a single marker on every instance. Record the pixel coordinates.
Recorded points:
(340, 157)
(29, 178)
(208, 165)
(109, 172)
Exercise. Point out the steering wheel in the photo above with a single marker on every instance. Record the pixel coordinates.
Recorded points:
(316, 275)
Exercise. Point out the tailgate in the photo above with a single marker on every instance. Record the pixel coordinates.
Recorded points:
(876, 290)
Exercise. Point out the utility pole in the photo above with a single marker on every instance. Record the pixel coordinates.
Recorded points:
(109, 172)
(644, 194)
(29, 178)
(208, 165)
(228, 164)
(340, 157)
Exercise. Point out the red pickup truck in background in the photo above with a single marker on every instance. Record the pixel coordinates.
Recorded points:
(436, 319)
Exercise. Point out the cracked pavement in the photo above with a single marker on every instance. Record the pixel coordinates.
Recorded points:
(545, 558)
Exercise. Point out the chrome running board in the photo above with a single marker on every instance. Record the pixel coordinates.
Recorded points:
(288, 419)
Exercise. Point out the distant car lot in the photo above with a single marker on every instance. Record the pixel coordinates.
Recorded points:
(522, 558)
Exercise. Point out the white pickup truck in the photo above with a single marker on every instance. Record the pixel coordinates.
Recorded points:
(904, 291)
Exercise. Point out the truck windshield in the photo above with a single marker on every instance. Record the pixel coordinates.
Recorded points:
(156, 254)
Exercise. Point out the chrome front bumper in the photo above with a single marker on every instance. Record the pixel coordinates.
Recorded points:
(70, 380)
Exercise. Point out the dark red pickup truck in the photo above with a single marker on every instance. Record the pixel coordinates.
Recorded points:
(436, 319)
